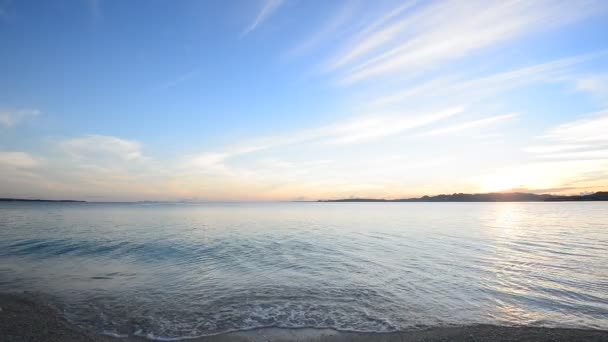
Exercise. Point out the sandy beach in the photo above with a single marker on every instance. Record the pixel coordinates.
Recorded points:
(26, 317)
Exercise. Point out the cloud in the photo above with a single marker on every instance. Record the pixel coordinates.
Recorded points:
(269, 8)
(591, 128)
(100, 160)
(97, 167)
(469, 125)
(596, 85)
(470, 89)
(555, 148)
(20, 160)
(205, 163)
(577, 155)
(446, 31)
(352, 131)
(333, 29)
(542, 175)
(374, 127)
(11, 118)
(252, 165)
(102, 148)
(367, 42)
(581, 139)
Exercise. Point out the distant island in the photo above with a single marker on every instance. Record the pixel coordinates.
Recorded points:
(489, 197)
(35, 200)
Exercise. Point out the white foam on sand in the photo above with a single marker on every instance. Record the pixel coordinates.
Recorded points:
(113, 334)
(282, 334)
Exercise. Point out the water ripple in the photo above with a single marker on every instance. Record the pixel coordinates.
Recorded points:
(191, 270)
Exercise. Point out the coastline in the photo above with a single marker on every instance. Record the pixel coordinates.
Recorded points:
(27, 317)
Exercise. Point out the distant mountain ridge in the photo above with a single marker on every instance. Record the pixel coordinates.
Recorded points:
(489, 197)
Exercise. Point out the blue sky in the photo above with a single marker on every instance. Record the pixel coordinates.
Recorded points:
(293, 99)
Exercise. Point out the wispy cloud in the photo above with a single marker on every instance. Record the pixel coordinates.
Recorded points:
(467, 88)
(381, 126)
(410, 41)
(20, 173)
(17, 160)
(596, 85)
(99, 166)
(601, 154)
(10, 118)
(545, 174)
(591, 128)
(332, 29)
(102, 148)
(351, 131)
(555, 148)
(433, 75)
(364, 41)
(268, 9)
(469, 125)
(582, 139)
(223, 165)
(578, 152)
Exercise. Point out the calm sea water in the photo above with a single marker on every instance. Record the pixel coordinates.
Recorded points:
(182, 270)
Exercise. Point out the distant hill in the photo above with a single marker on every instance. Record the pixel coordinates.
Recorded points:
(489, 197)
(35, 200)
(598, 196)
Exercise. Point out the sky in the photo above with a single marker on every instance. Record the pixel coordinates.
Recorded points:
(264, 100)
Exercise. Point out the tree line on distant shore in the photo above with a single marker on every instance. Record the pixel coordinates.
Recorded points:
(489, 197)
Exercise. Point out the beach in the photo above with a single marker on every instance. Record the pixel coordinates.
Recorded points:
(27, 317)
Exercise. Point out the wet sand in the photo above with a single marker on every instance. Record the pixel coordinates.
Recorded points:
(26, 317)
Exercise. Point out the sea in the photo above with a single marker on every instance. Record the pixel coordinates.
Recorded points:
(182, 270)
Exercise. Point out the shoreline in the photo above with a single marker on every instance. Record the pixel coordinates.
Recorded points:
(27, 317)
